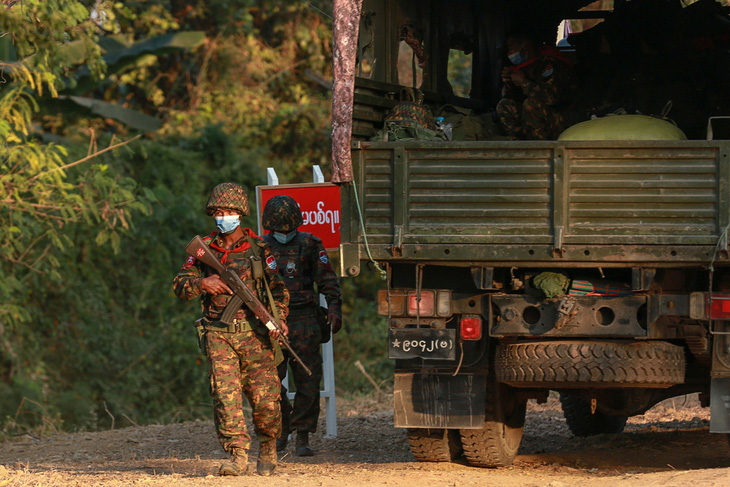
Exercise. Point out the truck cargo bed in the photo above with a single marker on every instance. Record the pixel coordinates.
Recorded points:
(663, 202)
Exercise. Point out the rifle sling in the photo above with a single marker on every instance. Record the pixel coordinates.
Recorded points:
(272, 303)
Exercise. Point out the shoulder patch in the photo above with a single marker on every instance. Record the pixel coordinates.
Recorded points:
(189, 263)
(548, 71)
(323, 256)
(271, 262)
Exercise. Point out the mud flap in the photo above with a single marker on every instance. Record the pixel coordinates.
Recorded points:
(720, 405)
(439, 401)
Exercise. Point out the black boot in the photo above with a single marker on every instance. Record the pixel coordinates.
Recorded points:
(303, 448)
(283, 440)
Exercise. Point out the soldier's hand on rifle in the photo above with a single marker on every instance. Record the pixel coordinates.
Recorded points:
(335, 321)
(507, 74)
(214, 285)
(518, 77)
(284, 329)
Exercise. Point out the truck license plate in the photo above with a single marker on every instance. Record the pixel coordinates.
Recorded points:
(422, 343)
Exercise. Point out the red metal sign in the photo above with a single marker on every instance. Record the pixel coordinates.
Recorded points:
(320, 205)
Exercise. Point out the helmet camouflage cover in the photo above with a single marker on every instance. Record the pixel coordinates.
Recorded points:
(281, 214)
(228, 196)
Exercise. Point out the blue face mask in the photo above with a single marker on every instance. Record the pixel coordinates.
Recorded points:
(227, 223)
(284, 238)
(516, 58)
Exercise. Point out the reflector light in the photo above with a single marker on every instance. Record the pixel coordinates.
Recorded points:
(718, 306)
(405, 302)
(443, 305)
(471, 328)
(423, 308)
(397, 303)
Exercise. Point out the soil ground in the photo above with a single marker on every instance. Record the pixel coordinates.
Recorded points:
(670, 445)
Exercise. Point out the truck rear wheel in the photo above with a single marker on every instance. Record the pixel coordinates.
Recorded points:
(582, 422)
(434, 445)
(496, 444)
(561, 364)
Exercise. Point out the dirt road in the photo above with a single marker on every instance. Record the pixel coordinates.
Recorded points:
(668, 446)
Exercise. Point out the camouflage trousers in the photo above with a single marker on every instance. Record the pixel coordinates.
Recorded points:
(304, 337)
(242, 364)
(530, 120)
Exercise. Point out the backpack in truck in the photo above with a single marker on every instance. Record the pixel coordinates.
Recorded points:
(409, 120)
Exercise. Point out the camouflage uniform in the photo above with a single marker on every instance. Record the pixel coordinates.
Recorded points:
(241, 360)
(540, 108)
(303, 263)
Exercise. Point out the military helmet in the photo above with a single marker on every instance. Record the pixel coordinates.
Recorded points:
(228, 196)
(281, 214)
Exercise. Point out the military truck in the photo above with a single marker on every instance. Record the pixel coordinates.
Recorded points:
(596, 268)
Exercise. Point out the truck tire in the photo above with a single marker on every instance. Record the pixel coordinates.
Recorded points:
(582, 422)
(561, 364)
(496, 444)
(434, 445)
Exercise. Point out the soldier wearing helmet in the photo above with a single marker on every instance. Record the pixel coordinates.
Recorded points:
(303, 263)
(243, 355)
(537, 90)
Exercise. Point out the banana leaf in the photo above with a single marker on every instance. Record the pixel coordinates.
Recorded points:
(7, 50)
(132, 118)
(119, 57)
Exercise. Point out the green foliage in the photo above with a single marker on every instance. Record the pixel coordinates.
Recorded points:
(460, 72)
(41, 28)
(131, 118)
(122, 55)
(43, 197)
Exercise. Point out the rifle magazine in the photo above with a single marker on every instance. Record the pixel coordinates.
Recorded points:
(229, 314)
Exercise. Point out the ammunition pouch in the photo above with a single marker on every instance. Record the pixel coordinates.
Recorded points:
(320, 314)
(200, 328)
(257, 267)
(323, 322)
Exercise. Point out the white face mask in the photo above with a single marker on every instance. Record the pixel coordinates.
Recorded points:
(516, 58)
(227, 223)
(284, 238)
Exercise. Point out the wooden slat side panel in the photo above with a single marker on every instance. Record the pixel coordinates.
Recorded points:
(501, 194)
(377, 193)
(494, 194)
(636, 193)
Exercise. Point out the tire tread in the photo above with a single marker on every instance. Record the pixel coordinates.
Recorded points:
(646, 363)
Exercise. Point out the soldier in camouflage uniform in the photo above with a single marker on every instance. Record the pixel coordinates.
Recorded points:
(303, 263)
(241, 355)
(536, 96)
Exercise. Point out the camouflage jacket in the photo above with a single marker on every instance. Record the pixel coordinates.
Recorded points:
(303, 263)
(547, 78)
(187, 282)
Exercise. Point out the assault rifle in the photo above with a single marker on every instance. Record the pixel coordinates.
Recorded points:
(202, 252)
